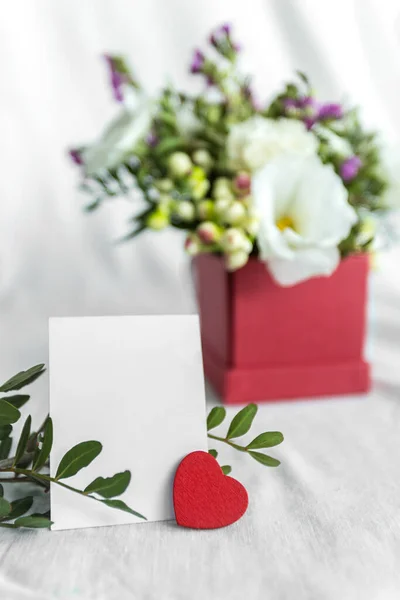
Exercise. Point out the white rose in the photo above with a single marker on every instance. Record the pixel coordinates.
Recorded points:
(304, 215)
(119, 139)
(253, 143)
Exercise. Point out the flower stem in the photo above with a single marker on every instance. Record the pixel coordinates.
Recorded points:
(226, 441)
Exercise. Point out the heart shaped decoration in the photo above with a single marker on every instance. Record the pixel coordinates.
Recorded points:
(205, 498)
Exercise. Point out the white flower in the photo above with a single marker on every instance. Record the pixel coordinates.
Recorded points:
(391, 172)
(304, 215)
(253, 143)
(119, 139)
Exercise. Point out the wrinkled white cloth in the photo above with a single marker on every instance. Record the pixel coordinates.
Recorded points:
(326, 524)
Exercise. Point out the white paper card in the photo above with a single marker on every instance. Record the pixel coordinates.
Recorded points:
(136, 385)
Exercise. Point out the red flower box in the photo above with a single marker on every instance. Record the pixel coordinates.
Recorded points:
(262, 341)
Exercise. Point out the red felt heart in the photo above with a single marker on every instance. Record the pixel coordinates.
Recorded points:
(205, 498)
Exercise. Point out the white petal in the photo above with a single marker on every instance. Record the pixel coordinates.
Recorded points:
(321, 209)
(307, 263)
(119, 139)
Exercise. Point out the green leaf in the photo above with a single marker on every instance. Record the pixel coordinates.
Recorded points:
(213, 453)
(23, 440)
(226, 469)
(33, 522)
(5, 507)
(168, 145)
(1, 491)
(216, 416)
(8, 414)
(5, 431)
(119, 505)
(47, 444)
(264, 459)
(109, 487)
(22, 379)
(5, 447)
(266, 440)
(20, 507)
(18, 400)
(77, 458)
(241, 423)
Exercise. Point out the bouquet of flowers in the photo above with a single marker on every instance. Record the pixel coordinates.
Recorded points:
(295, 182)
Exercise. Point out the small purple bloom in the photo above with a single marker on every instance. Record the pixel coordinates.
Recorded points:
(118, 79)
(226, 28)
(152, 139)
(350, 167)
(76, 156)
(309, 122)
(330, 111)
(197, 62)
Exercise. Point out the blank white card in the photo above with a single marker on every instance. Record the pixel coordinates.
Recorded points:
(136, 385)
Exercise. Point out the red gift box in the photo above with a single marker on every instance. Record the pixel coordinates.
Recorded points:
(265, 342)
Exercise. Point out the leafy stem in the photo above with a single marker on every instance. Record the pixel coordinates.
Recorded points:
(239, 426)
(226, 441)
(32, 456)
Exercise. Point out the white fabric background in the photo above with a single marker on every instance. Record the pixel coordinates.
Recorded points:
(324, 525)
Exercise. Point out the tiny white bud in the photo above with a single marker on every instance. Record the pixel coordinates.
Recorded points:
(185, 210)
(205, 209)
(202, 158)
(223, 189)
(252, 225)
(179, 164)
(157, 220)
(236, 260)
(235, 239)
(222, 205)
(164, 185)
(192, 245)
(208, 232)
(235, 213)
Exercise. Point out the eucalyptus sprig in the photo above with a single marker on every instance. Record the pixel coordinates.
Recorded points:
(239, 426)
(30, 464)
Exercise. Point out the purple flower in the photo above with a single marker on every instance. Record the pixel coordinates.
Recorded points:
(76, 156)
(197, 62)
(118, 79)
(309, 122)
(152, 139)
(290, 103)
(330, 111)
(350, 167)
(226, 28)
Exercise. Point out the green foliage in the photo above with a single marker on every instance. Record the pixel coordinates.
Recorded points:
(110, 487)
(240, 425)
(30, 462)
(43, 452)
(242, 422)
(22, 379)
(33, 522)
(226, 469)
(119, 505)
(77, 458)
(215, 418)
(266, 440)
(23, 441)
(264, 459)
(8, 413)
